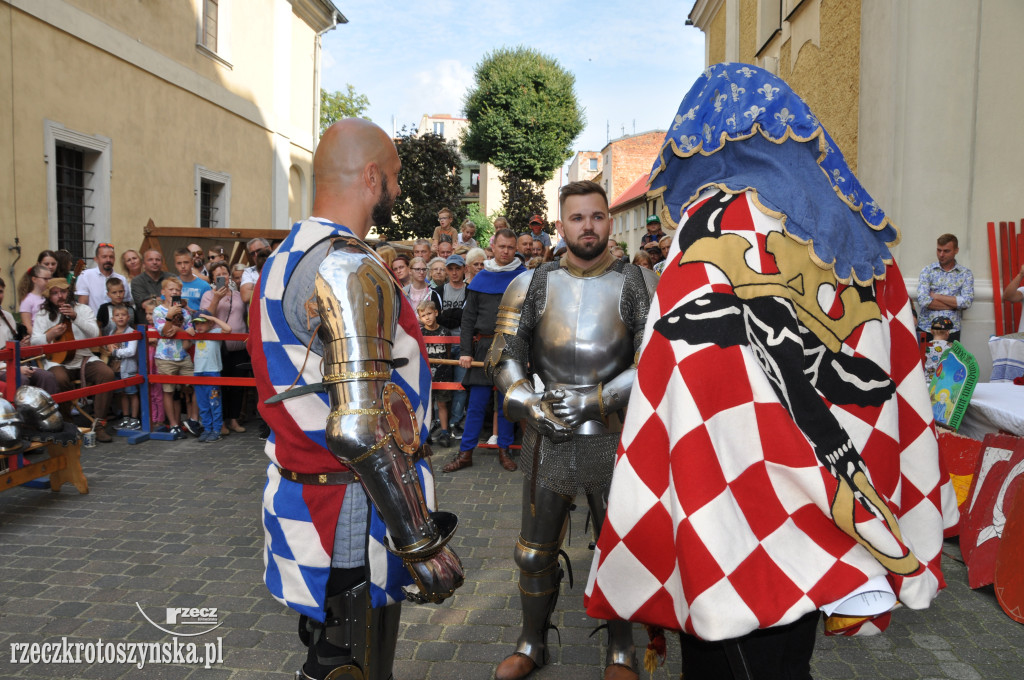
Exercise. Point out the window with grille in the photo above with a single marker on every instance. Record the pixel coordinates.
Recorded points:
(210, 12)
(213, 198)
(74, 202)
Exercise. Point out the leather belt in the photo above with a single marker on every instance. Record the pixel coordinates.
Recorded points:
(319, 479)
(482, 336)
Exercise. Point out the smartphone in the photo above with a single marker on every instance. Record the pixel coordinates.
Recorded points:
(176, 300)
(222, 281)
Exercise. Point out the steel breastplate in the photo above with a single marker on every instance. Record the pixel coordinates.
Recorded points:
(581, 338)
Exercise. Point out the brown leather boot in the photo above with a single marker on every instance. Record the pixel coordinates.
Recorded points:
(514, 667)
(505, 461)
(617, 671)
(462, 459)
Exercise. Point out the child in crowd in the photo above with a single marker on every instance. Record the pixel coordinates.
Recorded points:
(124, 354)
(156, 392)
(208, 365)
(939, 343)
(427, 311)
(116, 293)
(172, 354)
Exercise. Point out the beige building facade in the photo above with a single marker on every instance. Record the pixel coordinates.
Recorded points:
(199, 113)
(922, 97)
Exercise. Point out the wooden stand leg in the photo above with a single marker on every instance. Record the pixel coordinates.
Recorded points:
(72, 471)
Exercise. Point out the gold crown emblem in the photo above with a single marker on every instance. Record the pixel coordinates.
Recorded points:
(798, 280)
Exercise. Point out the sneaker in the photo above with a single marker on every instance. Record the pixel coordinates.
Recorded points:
(444, 439)
(492, 440)
(159, 427)
(177, 433)
(193, 427)
(212, 437)
(203, 437)
(135, 424)
(456, 432)
(122, 424)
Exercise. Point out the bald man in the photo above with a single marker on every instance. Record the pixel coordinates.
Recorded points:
(346, 460)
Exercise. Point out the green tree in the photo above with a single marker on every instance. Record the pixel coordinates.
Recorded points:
(431, 179)
(337, 105)
(484, 224)
(523, 113)
(523, 199)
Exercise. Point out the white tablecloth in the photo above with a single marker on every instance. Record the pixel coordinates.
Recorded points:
(994, 407)
(1007, 357)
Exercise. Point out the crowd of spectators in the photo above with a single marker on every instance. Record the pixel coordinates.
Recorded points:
(203, 293)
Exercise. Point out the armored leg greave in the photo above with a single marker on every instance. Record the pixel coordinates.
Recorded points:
(536, 555)
(356, 642)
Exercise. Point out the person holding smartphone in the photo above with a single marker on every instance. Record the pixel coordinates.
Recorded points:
(226, 304)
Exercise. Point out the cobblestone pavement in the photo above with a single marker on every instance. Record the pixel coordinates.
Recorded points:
(177, 525)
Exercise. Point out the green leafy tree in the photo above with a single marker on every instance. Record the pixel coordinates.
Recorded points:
(431, 179)
(523, 113)
(337, 105)
(484, 224)
(523, 199)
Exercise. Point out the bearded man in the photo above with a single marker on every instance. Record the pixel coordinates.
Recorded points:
(346, 467)
(577, 324)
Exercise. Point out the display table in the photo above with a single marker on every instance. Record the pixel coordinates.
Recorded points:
(994, 407)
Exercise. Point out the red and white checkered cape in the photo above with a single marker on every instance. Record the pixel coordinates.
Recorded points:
(718, 520)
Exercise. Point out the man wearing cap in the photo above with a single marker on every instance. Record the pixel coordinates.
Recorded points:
(537, 231)
(53, 319)
(453, 299)
(91, 285)
(654, 232)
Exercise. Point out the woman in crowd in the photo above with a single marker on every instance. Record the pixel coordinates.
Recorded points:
(227, 305)
(400, 268)
(131, 264)
(66, 267)
(32, 299)
(474, 262)
(642, 259)
(438, 273)
(418, 290)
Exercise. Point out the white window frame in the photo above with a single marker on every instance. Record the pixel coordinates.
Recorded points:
(223, 52)
(223, 203)
(99, 181)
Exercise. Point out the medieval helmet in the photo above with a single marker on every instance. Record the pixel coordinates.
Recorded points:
(10, 426)
(38, 409)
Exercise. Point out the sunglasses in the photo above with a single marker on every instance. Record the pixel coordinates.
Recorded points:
(105, 245)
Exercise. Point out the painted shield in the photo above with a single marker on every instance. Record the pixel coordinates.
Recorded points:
(1010, 562)
(996, 481)
(959, 456)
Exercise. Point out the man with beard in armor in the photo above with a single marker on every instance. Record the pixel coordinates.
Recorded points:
(577, 324)
(345, 507)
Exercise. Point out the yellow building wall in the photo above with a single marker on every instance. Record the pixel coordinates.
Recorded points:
(152, 127)
(716, 37)
(828, 77)
(6, 141)
(748, 31)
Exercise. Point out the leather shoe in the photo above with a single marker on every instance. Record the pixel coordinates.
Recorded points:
(617, 671)
(515, 667)
(505, 461)
(102, 435)
(462, 459)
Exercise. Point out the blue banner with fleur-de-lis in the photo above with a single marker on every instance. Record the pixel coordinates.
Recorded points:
(741, 127)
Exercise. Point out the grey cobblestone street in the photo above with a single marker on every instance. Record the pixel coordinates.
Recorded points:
(177, 525)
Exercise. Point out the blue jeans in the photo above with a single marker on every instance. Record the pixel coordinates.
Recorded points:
(459, 399)
(208, 399)
(479, 395)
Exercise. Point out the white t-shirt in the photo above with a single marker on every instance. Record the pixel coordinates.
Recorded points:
(93, 283)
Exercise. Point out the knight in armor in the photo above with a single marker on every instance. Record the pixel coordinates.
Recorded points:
(576, 325)
(344, 385)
